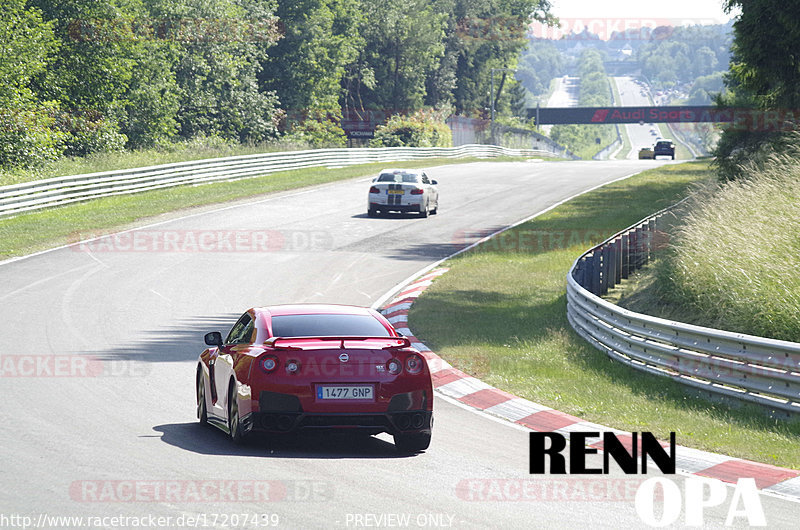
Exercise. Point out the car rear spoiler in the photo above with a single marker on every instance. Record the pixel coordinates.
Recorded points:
(275, 342)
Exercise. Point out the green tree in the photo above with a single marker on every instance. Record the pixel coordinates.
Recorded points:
(764, 73)
(539, 63)
(320, 38)
(27, 46)
(704, 61)
(681, 54)
(594, 91)
(765, 63)
(403, 44)
(485, 35)
(217, 71)
(94, 65)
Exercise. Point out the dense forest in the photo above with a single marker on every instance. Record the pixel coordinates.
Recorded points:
(693, 57)
(85, 76)
(685, 54)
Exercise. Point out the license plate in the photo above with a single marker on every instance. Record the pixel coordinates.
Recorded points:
(361, 392)
(395, 192)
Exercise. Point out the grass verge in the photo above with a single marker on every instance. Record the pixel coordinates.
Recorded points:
(732, 258)
(52, 227)
(500, 315)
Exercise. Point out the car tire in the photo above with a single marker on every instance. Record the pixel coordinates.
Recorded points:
(413, 442)
(234, 423)
(372, 212)
(423, 212)
(436, 209)
(202, 411)
(673, 157)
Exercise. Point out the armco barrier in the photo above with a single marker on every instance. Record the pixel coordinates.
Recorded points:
(756, 369)
(27, 196)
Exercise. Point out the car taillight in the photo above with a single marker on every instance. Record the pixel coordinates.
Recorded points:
(394, 366)
(269, 363)
(417, 191)
(374, 189)
(414, 364)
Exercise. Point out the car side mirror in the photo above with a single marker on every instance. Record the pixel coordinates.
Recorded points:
(213, 339)
(434, 182)
(375, 179)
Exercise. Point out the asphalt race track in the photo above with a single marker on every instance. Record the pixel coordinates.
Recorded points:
(100, 419)
(644, 135)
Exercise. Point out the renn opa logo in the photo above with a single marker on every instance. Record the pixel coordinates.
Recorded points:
(699, 493)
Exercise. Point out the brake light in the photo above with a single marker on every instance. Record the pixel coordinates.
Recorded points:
(374, 189)
(292, 366)
(417, 191)
(269, 363)
(394, 366)
(413, 364)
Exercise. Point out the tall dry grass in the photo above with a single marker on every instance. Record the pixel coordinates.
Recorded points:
(736, 258)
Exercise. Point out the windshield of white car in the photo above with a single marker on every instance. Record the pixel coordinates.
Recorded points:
(327, 325)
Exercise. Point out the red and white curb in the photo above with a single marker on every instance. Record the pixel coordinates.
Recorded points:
(470, 391)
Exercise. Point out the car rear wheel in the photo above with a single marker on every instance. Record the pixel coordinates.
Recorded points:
(234, 424)
(202, 411)
(423, 210)
(413, 442)
(372, 212)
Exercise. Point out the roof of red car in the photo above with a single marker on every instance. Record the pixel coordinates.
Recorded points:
(313, 309)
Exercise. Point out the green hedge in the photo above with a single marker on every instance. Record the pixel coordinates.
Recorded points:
(422, 129)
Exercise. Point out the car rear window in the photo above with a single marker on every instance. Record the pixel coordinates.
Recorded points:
(664, 144)
(327, 325)
(398, 177)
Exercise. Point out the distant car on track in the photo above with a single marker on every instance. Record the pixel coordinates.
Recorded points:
(664, 147)
(403, 190)
(313, 367)
(646, 153)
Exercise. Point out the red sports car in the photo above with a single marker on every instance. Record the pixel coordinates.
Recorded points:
(287, 368)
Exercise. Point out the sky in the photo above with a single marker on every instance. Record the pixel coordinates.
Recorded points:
(709, 11)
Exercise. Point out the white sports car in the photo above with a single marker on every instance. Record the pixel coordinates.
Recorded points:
(403, 190)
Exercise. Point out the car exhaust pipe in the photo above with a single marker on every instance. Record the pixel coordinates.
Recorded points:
(285, 423)
(268, 421)
(418, 420)
(403, 422)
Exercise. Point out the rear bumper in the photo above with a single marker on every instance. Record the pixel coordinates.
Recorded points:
(407, 204)
(406, 422)
(416, 208)
(284, 413)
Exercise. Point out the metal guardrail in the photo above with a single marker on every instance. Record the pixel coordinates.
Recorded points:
(756, 369)
(28, 196)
